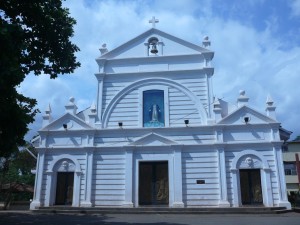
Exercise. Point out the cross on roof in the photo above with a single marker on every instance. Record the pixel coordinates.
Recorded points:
(153, 21)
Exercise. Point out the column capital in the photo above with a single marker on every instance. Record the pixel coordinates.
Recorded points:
(176, 147)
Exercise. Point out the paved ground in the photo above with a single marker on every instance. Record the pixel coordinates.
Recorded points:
(28, 218)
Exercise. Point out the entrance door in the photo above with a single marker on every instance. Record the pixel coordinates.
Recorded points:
(251, 192)
(153, 183)
(64, 188)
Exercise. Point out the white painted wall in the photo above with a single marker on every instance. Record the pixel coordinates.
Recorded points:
(200, 164)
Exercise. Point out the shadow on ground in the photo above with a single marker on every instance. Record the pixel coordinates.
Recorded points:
(66, 219)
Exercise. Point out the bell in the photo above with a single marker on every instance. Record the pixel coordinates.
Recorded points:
(154, 49)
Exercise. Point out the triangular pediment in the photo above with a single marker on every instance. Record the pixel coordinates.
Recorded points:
(171, 44)
(153, 139)
(67, 122)
(254, 117)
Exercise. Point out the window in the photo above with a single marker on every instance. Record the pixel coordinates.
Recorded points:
(153, 108)
(290, 168)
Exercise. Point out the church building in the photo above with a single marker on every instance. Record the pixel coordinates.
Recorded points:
(157, 136)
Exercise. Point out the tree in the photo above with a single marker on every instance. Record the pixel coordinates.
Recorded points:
(34, 37)
(297, 138)
(15, 172)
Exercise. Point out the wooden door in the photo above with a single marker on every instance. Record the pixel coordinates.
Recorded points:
(64, 188)
(250, 183)
(153, 183)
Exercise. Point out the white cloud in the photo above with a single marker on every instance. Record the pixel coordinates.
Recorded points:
(295, 7)
(245, 58)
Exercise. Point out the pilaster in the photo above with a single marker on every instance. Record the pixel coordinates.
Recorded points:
(128, 177)
(100, 78)
(223, 202)
(88, 179)
(178, 203)
(235, 181)
(38, 180)
(283, 200)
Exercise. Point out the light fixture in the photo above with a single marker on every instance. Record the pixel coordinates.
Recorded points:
(65, 126)
(186, 122)
(120, 124)
(246, 119)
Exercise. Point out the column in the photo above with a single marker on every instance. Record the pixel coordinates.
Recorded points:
(283, 201)
(128, 177)
(38, 180)
(178, 203)
(88, 179)
(222, 179)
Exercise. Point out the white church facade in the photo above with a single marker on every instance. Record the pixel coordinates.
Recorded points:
(156, 136)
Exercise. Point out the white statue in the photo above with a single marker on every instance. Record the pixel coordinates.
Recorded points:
(155, 111)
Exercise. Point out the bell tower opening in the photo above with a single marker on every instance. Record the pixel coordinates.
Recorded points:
(152, 46)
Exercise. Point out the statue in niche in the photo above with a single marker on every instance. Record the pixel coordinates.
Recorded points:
(155, 111)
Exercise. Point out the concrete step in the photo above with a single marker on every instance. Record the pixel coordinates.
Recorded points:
(161, 210)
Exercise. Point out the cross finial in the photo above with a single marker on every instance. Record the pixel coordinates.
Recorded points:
(153, 21)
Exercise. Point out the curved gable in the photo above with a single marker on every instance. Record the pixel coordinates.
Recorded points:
(126, 105)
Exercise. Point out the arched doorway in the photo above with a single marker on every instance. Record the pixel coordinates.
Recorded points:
(64, 182)
(251, 179)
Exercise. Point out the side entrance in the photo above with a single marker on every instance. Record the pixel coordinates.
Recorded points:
(153, 183)
(64, 188)
(251, 191)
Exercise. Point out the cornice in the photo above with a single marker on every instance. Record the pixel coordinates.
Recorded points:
(204, 70)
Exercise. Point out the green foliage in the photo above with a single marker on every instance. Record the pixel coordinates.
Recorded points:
(297, 138)
(17, 168)
(34, 37)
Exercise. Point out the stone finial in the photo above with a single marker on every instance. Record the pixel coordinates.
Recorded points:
(70, 106)
(270, 108)
(47, 118)
(48, 110)
(93, 108)
(206, 42)
(242, 99)
(217, 110)
(217, 104)
(103, 49)
(92, 114)
(269, 101)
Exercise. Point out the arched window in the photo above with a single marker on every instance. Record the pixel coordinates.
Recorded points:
(153, 108)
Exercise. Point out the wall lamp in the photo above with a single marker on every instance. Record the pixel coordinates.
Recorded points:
(65, 126)
(120, 124)
(186, 122)
(246, 119)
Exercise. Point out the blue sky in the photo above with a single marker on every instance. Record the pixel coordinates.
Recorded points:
(256, 45)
